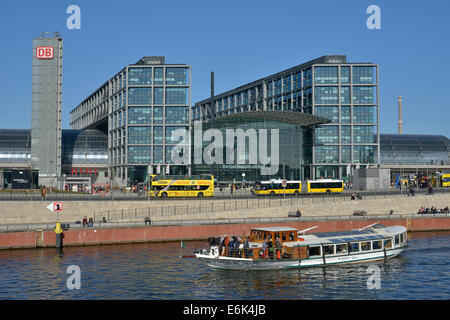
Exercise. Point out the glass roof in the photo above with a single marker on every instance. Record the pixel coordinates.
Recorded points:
(412, 142)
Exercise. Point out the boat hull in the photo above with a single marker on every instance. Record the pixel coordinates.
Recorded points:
(270, 264)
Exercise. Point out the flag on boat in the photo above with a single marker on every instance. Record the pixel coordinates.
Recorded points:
(182, 244)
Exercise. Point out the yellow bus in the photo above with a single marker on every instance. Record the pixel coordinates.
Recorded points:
(275, 187)
(445, 180)
(181, 186)
(325, 186)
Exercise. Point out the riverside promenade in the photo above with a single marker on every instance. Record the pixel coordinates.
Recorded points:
(29, 224)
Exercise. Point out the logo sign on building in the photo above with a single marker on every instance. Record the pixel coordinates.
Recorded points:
(44, 52)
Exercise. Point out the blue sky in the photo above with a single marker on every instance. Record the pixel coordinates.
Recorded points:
(240, 41)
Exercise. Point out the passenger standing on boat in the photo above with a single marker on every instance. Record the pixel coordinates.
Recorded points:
(231, 246)
(264, 249)
(270, 246)
(237, 244)
(226, 241)
(246, 247)
(279, 247)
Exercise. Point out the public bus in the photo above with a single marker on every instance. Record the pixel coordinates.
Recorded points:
(445, 180)
(325, 186)
(276, 187)
(164, 186)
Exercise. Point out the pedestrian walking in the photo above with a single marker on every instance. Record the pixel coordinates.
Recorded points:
(43, 192)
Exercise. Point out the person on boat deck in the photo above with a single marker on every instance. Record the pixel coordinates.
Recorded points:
(226, 241)
(279, 247)
(264, 248)
(237, 243)
(231, 246)
(246, 247)
(270, 246)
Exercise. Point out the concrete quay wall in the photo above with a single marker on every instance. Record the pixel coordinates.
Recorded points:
(19, 212)
(99, 236)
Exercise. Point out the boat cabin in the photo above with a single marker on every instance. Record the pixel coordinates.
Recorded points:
(284, 234)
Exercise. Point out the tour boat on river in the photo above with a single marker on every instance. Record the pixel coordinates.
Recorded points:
(285, 247)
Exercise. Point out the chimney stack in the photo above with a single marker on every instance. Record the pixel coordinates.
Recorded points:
(400, 115)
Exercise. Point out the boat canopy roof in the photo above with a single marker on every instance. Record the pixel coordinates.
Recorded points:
(275, 229)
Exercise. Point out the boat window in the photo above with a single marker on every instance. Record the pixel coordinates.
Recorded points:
(314, 251)
(354, 247)
(365, 246)
(376, 245)
(292, 236)
(401, 238)
(283, 236)
(341, 248)
(388, 243)
(397, 239)
(328, 250)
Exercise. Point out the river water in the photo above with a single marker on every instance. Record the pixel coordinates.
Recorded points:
(154, 271)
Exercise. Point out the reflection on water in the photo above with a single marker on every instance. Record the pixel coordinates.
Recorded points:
(155, 271)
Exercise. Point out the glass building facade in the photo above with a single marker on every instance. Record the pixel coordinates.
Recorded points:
(272, 140)
(329, 87)
(140, 108)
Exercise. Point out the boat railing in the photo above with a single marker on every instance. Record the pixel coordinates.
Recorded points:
(258, 253)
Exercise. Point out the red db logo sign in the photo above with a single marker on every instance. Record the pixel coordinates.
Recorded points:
(44, 53)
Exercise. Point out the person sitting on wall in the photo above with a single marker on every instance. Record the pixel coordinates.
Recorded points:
(147, 220)
(298, 213)
(352, 196)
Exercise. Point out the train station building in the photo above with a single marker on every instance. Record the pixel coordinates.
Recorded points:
(325, 112)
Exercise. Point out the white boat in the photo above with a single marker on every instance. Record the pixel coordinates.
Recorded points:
(293, 248)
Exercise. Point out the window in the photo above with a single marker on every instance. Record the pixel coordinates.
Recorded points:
(159, 74)
(326, 134)
(346, 134)
(158, 154)
(287, 84)
(176, 115)
(354, 247)
(346, 154)
(364, 114)
(139, 96)
(139, 135)
(363, 95)
(364, 75)
(138, 154)
(345, 74)
(158, 115)
(326, 95)
(326, 75)
(345, 114)
(328, 250)
(363, 134)
(341, 248)
(363, 154)
(177, 76)
(365, 246)
(158, 135)
(329, 112)
(314, 251)
(140, 76)
(177, 95)
(326, 154)
(158, 95)
(169, 131)
(376, 245)
(139, 115)
(388, 243)
(397, 239)
(345, 94)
